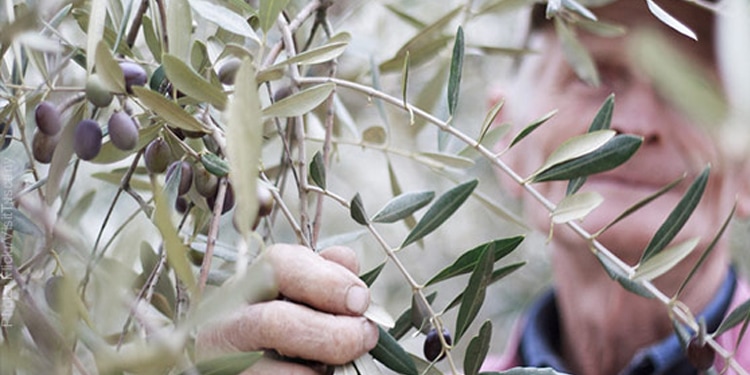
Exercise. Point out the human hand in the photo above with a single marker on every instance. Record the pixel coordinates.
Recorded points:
(320, 320)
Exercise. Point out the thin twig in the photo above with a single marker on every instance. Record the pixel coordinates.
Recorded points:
(626, 269)
(136, 25)
(213, 232)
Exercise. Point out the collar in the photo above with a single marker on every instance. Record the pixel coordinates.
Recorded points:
(540, 339)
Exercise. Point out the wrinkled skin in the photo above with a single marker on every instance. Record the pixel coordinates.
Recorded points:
(320, 318)
(603, 325)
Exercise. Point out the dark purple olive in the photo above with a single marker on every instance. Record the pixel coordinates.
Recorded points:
(181, 205)
(87, 139)
(48, 119)
(186, 175)
(228, 71)
(433, 347)
(6, 132)
(699, 354)
(204, 181)
(96, 93)
(265, 201)
(43, 146)
(123, 132)
(134, 75)
(157, 156)
(228, 200)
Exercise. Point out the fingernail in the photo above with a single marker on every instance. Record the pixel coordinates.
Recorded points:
(357, 299)
(371, 335)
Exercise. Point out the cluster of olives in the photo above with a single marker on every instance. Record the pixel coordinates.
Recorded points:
(158, 159)
(87, 141)
(87, 137)
(47, 134)
(433, 347)
(98, 94)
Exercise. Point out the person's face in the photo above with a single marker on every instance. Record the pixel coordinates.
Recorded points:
(672, 143)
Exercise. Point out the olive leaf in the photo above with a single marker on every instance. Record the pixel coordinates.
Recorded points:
(468, 260)
(640, 204)
(740, 314)
(528, 129)
(440, 211)
(185, 79)
(162, 218)
(489, 119)
(392, 355)
(179, 28)
(333, 48)
(709, 249)
(404, 321)
(576, 54)
(473, 296)
(425, 44)
(497, 275)
(677, 218)
(612, 154)
(244, 136)
(357, 210)
(669, 20)
(616, 274)
(457, 62)
(576, 206)
(318, 170)
(269, 12)
(403, 206)
(574, 147)
(19, 221)
(224, 18)
(370, 276)
(63, 153)
(665, 260)
(168, 110)
(108, 69)
(214, 164)
(420, 314)
(95, 31)
(602, 120)
(299, 103)
(477, 350)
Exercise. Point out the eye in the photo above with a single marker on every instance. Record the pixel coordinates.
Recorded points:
(613, 77)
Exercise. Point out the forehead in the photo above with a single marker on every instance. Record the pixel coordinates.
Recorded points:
(634, 15)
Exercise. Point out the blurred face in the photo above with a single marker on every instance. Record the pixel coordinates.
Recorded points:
(672, 144)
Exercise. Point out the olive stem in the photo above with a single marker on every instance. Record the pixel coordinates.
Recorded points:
(287, 213)
(391, 253)
(293, 25)
(330, 102)
(491, 157)
(213, 232)
(299, 131)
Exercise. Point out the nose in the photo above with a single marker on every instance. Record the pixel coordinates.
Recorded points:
(639, 110)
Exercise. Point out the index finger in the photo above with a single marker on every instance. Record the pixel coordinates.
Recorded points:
(306, 277)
